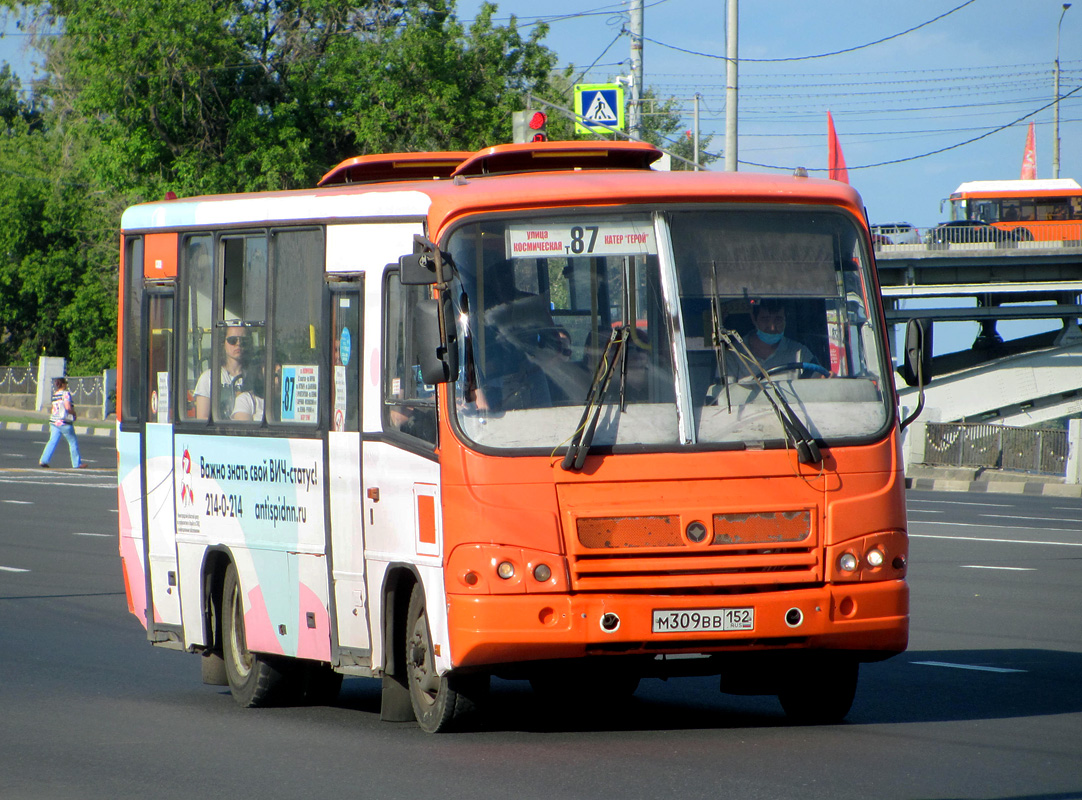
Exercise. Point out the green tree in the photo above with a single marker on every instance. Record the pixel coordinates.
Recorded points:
(207, 96)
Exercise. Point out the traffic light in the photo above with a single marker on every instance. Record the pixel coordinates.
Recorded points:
(529, 126)
(537, 126)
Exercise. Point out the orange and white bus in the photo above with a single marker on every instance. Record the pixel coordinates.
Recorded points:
(456, 415)
(1048, 210)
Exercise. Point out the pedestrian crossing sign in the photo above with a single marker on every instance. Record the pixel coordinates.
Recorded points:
(599, 107)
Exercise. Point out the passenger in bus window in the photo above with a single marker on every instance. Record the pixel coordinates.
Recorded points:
(235, 344)
(248, 405)
(769, 344)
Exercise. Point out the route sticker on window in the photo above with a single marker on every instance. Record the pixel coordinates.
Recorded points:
(300, 393)
(571, 239)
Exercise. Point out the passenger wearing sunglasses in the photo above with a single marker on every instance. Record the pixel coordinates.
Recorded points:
(234, 354)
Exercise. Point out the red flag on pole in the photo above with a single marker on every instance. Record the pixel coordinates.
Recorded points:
(835, 160)
(1029, 158)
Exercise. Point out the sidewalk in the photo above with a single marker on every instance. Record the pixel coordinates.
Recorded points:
(21, 419)
(987, 481)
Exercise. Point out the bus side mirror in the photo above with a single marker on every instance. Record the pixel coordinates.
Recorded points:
(917, 361)
(419, 267)
(437, 358)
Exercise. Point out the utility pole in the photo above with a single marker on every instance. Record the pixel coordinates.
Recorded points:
(635, 110)
(731, 78)
(1055, 106)
(696, 159)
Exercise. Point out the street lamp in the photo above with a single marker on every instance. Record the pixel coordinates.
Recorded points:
(1055, 105)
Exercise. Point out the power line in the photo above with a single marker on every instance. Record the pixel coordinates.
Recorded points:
(819, 55)
(933, 152)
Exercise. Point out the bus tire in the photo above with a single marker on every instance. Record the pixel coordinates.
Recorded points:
(440, 703)
(825, 692)
(253, 680)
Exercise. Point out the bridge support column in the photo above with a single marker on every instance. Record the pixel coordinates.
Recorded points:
(1074, 452)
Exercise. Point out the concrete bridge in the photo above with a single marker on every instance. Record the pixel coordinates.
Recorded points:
(1023, 382)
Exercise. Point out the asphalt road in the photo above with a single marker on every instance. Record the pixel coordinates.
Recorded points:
(987, 703)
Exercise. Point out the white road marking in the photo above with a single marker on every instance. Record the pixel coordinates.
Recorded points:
(13, 569)
(1010, 516)
(965, 666)
(966, 503)
(80, 533)
(1012, 569)
(998, 541)
(981, 525)
(20, 502)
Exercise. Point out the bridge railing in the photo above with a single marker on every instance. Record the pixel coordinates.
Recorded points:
(978, 444)
(1023, 235)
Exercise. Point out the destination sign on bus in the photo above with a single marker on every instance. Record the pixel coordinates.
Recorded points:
(570, 239)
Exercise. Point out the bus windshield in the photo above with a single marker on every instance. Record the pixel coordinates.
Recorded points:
(692, 326)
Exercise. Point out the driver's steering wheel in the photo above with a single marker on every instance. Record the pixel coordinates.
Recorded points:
(800, 366)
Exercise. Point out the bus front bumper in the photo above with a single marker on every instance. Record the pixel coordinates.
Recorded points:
(500, 629)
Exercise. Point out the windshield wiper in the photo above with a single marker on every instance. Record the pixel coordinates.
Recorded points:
(807, 449)
(584, 433)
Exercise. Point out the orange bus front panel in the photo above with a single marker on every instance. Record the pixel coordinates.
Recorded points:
(505, 629)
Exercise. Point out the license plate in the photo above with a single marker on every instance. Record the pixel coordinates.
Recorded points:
(704, 620)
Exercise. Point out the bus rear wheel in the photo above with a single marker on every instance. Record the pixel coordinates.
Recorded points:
(822, 693)
(253, 680)
(440, 703)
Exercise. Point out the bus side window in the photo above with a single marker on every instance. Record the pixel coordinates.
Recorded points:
(132, 388)
(239, 392)
(409, 405)
(297, 330)
(197, 324)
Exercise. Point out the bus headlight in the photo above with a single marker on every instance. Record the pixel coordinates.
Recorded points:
(875, 557)
(503, 569)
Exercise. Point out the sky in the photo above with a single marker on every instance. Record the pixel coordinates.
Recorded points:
(986, 65)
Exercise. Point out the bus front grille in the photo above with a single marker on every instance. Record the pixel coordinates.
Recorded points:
(734, 551)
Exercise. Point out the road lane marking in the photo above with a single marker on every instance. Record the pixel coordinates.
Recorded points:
(80, 533)
(20, 502)
(982, 525)
(1000, 541)
(988, 539)
(1011, 516)
(964, 503)
(13, 569)
(965, 666)
(1012, 569)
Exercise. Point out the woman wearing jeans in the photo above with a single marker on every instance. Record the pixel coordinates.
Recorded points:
(61, 419)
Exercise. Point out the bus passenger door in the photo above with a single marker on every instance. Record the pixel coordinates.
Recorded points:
(158, 460)
(346, 561)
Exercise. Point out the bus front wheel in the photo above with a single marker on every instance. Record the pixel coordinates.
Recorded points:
(822, 692)
(440, 703)
(253, 680)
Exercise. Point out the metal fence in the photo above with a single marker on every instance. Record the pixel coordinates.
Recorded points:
(85, 390)
(18, 380)
(979, 444)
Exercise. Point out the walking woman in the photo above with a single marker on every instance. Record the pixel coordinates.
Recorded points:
(62, 423)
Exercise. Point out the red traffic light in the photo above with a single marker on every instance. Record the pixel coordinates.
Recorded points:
(538, 120)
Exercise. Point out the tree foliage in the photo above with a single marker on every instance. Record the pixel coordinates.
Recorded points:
(216, 96)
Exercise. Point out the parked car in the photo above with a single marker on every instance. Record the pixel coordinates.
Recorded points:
(971, 231)
(897, 233)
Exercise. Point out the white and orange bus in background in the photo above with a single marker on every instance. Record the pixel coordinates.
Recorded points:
(450, 416)
(1047, 210)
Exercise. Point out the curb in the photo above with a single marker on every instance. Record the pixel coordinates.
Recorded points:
(43, 427)
(1029, 488)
